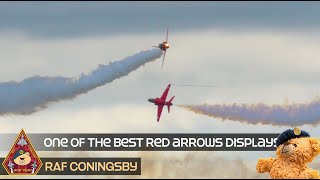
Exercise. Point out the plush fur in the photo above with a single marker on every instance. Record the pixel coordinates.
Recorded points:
(292, 159)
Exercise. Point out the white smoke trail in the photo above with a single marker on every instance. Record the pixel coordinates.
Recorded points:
(278, 115)
(33, 94)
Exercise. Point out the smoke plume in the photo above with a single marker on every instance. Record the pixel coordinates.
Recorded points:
(35, 93)
(278, 115)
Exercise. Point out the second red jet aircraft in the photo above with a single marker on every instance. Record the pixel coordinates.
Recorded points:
(164, 46)
(160, 102)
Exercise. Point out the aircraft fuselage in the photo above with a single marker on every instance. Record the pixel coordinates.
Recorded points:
(158, 101)
(164, 46)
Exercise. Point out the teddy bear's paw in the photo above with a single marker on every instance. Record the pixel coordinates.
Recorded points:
(262, 165)
(310, 174)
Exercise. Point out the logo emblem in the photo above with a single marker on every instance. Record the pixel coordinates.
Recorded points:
(22, 158)
(296, 131)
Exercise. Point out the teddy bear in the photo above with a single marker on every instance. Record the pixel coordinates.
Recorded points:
(295, 149)
(21, 158)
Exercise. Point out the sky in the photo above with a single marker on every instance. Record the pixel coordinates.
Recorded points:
(251, 51)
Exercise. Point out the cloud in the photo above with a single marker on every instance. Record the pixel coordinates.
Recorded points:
(246, 68)
(195, 165)
(52, 19)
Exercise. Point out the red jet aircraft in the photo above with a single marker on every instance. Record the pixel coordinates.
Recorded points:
(160, 102)
(164, 46)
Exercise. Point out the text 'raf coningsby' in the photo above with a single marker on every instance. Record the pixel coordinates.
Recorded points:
(91, 166)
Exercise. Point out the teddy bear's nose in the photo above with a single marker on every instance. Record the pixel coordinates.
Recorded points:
(22, 158)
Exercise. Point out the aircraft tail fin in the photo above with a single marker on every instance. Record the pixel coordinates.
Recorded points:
(170, 101)
(169, 104)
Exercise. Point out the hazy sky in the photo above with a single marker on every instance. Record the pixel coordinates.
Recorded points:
(252, 51)
(69, 19)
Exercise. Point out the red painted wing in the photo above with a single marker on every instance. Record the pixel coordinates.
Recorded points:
(165, 93)
(160, 107)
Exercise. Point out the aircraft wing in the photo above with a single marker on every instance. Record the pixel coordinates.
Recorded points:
(164, 55)
(165, 93)
(167, 35)
(160, 107)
